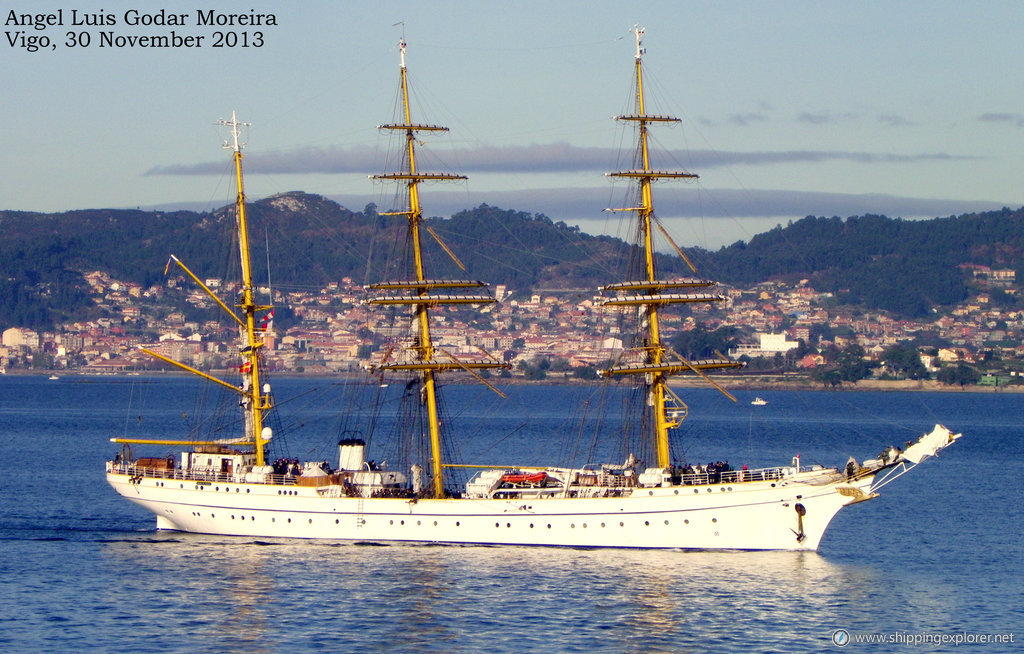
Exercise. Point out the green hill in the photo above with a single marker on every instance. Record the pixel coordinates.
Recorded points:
(907, 267)
(904, 266)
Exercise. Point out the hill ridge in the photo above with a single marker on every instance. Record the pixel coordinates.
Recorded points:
(907, 267)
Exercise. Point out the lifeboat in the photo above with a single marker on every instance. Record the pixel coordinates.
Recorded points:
(532, 478)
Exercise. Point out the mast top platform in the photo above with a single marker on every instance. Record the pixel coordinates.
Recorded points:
(235, 132)
(639, 33)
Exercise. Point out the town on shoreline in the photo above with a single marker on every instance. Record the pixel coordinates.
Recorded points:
(790, 335)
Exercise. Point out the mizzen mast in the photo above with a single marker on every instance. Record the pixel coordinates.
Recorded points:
(256, 399)
(649, 293)
(416, 293)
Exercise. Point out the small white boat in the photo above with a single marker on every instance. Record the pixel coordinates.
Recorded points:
(757, 401)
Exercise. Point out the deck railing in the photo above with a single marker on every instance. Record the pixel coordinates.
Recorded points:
(193, 475)
(693, 479)
(732, 476)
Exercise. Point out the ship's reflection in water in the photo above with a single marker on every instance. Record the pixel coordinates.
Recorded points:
(232, 594)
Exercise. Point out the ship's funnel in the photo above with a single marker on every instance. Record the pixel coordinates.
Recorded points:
(351, 453)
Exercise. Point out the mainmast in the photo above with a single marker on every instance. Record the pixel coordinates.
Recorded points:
(257, 400)
(649, 293)
(416, 293)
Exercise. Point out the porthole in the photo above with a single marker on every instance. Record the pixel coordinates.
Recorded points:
(549, 526)
(584, 525)
(666, 522)
(714, 519)
(457, 524)
(602, 525)
(710, 489)
(496, 525)
(675, 492)
(622, 524)
(696, 490)
(337, 522)
(418, 523)
(686, 522)
(651, 493)
(289, 520)
(729, 489)
(217, 488)
(246, 490)
(647, 523)
(508, 525)
(391, 522)
(236, 489)
(531, 525)
(401, 522)
(435, 523)
(311, 521)
(572, 526)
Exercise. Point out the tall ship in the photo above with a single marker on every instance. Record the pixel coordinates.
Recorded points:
(648, 500)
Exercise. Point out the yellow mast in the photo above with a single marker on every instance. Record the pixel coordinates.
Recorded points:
(257, 402)
(426, 345)
(651, 291)
(654, 349)
(420, 299)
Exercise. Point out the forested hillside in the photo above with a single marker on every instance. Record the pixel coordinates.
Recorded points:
(907, 267)
(903, 266)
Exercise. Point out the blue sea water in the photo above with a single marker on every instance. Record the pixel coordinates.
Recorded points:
(938, 556)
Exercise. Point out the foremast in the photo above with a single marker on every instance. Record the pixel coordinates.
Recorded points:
(649, 294)
(417, 293)
(255, 398)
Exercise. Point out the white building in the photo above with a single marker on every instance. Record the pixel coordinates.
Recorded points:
(19, 337)
(770, 345)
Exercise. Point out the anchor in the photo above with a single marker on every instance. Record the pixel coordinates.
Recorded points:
(801, 511)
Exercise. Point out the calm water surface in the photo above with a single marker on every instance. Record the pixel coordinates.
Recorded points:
(940, 553)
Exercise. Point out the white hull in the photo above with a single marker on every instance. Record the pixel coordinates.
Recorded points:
(748, 515)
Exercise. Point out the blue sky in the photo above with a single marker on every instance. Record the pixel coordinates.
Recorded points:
(912, 109)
